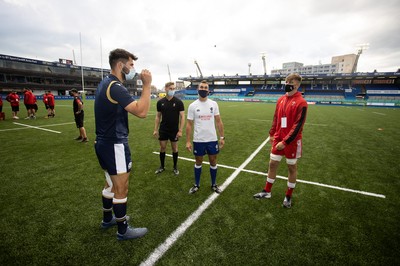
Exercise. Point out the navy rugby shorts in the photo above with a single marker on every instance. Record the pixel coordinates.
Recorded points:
(203, 148)
(115, 158)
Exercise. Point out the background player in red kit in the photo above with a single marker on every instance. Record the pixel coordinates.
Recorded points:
(30, 104)
(50, 104)
(285, 135)
(13, 99)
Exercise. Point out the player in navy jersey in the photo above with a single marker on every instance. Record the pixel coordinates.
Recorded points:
(203, 115)
(112, 105)
(168, 125)
(285, 136)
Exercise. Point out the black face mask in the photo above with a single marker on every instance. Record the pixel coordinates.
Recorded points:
(202, 93)
(289, 88)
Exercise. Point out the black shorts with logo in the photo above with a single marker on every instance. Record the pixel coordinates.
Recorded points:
(168, 135)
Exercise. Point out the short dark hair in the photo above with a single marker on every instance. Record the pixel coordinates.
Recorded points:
(169, 84)
(120, 55)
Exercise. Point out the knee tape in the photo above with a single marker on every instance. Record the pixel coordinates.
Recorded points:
(108, 180)
(107, 193)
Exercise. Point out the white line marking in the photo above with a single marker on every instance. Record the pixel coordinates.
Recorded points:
(61, 124)
(298, 180)
(323, 125)
(22, 128)
(162, 248)
(174, 236)
(53, 131)
(378, 113)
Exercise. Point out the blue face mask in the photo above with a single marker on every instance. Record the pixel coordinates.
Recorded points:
(171, 93)
(130, 75)
(202, 93)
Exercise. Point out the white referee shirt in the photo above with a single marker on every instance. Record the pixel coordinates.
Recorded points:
(202, 114)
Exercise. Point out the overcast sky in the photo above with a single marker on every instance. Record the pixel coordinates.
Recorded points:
(224, 36)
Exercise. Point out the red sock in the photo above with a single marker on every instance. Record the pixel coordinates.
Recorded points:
(268, 184)
(289, 191)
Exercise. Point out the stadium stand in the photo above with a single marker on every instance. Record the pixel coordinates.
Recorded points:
(17, 73)
(366, 89)
(372, 89)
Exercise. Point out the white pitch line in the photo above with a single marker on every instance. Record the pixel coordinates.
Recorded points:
(378, 113)
(322, 125)
(298, 180)
(45, 129)
(61, 124)
(43, 126)
(164, 247)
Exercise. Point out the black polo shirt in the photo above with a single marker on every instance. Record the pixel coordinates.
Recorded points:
(170, 110)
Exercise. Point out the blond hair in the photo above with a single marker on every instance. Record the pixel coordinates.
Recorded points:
(293, 76)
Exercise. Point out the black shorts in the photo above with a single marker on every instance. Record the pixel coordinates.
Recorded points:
(15, 108)
(31, 106)
(168, 135)
(79, 119)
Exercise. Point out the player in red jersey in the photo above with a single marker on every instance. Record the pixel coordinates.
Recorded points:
(13, 99)
(286, 135)
(50, 104)
(30, 104)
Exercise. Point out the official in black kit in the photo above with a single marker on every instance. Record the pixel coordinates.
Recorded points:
(168, 125)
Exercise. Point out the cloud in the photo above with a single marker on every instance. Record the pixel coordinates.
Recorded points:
(223, 36)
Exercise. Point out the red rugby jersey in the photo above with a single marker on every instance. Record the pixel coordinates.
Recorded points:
(294, 108)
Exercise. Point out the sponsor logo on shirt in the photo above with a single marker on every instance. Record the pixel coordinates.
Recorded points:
(205, 117)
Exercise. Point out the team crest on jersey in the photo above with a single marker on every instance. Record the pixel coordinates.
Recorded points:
(173, 105)
(211, 110)
(197, 110)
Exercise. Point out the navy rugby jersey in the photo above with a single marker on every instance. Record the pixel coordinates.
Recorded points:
(109, 110)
